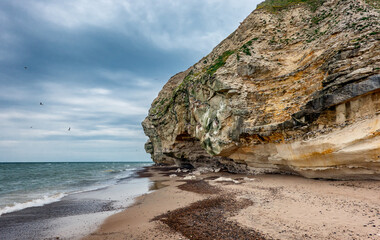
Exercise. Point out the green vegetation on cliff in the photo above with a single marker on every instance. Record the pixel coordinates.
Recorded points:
(276, 5)
(374, 3)
(181, 93)
(219, 62)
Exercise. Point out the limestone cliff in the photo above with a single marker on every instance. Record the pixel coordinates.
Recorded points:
(295, 89)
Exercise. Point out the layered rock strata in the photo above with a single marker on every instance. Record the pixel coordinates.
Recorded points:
(295, 89)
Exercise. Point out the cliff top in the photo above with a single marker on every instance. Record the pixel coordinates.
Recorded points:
(276, 5)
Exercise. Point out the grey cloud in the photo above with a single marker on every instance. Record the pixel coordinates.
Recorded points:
(96, 65)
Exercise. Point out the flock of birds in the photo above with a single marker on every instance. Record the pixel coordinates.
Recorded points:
(41, 104)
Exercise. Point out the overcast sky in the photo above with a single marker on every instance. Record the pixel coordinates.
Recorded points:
(96, 65)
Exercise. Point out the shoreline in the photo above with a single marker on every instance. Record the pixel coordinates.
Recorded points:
(75, 215)
(246, 207)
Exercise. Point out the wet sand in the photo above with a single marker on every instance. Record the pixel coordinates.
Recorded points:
(33, 223)
(257, 207)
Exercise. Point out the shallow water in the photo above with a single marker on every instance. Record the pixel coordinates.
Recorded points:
(80, 211)
(24, 185)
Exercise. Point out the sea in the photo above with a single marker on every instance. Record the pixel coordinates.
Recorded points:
(38, 199)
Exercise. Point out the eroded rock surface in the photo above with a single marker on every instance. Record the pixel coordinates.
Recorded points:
(293, 90)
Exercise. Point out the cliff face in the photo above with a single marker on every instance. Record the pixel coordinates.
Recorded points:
(295, 89)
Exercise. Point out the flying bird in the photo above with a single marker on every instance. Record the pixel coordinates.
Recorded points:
(26, 68)
(41, 103)
(68, 129)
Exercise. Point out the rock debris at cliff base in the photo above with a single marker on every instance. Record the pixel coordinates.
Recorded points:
(295, 89)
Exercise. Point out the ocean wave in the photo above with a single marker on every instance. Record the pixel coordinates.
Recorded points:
(112, 171)
(33, 203)
(121, 174)
(31, 195)
(92, 188)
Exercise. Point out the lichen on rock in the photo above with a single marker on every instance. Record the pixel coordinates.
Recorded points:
(295, 89)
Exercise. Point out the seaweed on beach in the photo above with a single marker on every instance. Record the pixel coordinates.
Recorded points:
(163, 168)
(199, 186)
(208, 219)
(144, 173)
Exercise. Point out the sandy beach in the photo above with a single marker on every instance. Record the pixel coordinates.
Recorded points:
(240, 207)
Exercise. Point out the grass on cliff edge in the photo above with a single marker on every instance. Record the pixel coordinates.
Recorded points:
(374, 3)
(277, 5)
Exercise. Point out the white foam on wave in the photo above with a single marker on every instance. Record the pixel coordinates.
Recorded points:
(122, 174)
(125, 174)
(32, 203)
(46, 199)
(91, 188)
